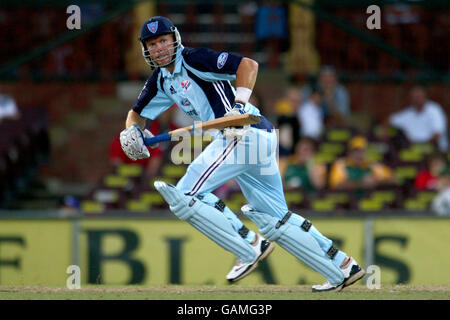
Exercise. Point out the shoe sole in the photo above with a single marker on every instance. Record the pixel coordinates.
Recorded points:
(253, 266)
(354, 278)
(335, 289)
(346, 283)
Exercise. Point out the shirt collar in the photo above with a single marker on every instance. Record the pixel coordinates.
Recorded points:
(178, 62)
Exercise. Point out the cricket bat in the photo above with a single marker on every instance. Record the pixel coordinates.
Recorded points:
(219, 123)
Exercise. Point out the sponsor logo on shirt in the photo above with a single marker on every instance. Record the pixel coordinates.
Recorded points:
(221, 60)
(185, 102)
(185, 85)
(192, 113)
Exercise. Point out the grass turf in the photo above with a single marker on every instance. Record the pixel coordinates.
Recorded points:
(185, 292)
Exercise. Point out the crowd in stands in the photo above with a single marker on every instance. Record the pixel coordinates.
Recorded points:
(400, 163)
(253, 27)
(402, 156)
(24, 144)
(98, 54)
(423, 121)
(413, 28)
(326, 164)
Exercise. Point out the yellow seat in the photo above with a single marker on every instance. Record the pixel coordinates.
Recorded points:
(173, 171)
(426, 196)
(415, 204)
(405, 172)
(152, 198)
(423, 148)
(384, 196)
(325, 157)
(294, 197)
(370, 204)
(114, 181)
(409, 155)
(137, 205)
(323, 205)
(340, 198)
(89, 206)
(340, 135)
(331, 147)
(130, 170)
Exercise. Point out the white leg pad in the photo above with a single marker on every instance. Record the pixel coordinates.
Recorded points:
(206, 219)
(298, 242)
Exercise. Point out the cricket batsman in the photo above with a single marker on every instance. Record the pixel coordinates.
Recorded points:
(198, 81)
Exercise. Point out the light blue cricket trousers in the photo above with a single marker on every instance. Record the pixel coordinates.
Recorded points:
(252, 160)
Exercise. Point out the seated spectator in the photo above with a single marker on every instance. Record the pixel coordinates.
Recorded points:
(435, 176)
(310, 115)
(69, 204)
(304, 172)
(287, 120)
(271, 30)
(423, 121)
(354, 172)
(335, 101)
(388, 141)
(287, 124)
(8, 108)
(290, 101)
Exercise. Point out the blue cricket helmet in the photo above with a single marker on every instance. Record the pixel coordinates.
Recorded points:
(155, 27)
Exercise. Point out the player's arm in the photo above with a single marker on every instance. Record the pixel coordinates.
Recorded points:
(134, 118)
(150, 103)
(215, 66)
(245, 79)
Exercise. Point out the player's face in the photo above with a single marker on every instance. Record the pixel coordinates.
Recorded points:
(161, 49)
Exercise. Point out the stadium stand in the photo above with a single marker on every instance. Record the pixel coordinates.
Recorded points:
(99, 55)
(406, 164)
(24, 145)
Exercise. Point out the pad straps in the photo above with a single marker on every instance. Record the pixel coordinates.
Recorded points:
(283, 221)
(306, 225)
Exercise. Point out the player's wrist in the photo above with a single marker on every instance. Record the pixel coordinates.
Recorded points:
(242, 95)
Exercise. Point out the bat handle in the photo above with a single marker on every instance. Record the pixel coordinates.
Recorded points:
(158, 138)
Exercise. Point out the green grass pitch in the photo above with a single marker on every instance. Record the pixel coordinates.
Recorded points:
(202, 292)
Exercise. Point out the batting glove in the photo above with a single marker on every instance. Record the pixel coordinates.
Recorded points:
(132, 142)
(238, 108)
(235, 132)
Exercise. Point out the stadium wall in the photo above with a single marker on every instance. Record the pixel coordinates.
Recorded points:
(160, 251)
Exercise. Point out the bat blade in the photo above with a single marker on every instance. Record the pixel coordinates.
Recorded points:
(219, 123)
(231, 121)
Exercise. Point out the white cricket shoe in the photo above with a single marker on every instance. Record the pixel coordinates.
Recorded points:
(327, 287)
(241, 269)
(352, 273)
